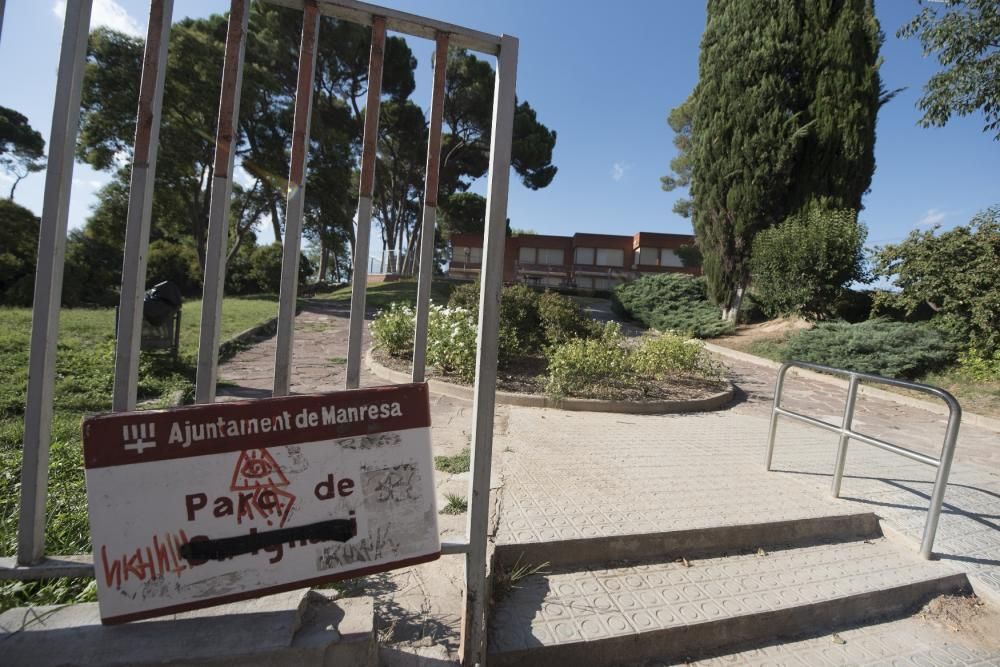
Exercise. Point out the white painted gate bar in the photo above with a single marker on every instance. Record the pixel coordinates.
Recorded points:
(140, 205)
(473, 647)
(362, 238)
(430, 209)
(48, 284)
(222, 189)
(295, 205)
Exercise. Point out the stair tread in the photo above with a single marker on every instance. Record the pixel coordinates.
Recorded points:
(569, 605)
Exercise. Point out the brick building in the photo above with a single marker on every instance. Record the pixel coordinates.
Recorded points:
(583, 261)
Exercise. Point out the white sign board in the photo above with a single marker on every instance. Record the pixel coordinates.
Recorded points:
(208, 504)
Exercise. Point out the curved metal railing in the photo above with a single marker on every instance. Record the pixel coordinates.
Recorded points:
(943, 464)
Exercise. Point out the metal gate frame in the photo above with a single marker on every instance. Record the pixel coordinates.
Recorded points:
(31, 561)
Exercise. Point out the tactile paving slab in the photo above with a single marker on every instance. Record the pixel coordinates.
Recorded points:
(583, 605)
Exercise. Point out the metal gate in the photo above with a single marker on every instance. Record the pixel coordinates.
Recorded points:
(31, 561)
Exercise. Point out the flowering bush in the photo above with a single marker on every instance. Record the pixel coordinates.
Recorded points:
(393, 330)
(451, 341)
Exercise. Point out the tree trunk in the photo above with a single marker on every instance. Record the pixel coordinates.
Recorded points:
(730, 313)
(324, 260)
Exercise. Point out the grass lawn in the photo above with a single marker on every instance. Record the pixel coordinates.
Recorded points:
(84, 379)
(380, 295)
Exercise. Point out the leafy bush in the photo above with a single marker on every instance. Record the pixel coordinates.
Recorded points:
(955, 273)
(608, 367)
(670, 354)
(976, 365)
(520, 324)
(451, 341)
(465, 296)
(671, 302)
(265, 268)
(174, 262)
(18, 245)
(392, 330)
(892, 349)
(562, 319)
(801, 266)
(596, 366)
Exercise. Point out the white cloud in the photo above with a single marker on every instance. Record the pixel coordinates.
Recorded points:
(618, 170)
(109, 14)
(932, 217)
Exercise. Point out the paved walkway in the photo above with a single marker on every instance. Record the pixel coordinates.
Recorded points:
(580, 474)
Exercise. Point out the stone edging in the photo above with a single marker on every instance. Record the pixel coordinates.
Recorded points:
(989, 423)
(713, 402)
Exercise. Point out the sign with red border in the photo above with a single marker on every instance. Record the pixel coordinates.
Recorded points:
(207, 504)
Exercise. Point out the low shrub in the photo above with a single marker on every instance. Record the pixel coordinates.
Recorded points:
(671, 302)
(883, 347)
(392, 330)
(611, 368)
(451, 341)
(598, 367)
(465, 296)
(670, 354)
(562, 319)
(976, 365)
(520, 324)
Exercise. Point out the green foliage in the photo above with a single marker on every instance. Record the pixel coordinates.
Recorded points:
(669, 354)
(965, 36)
(392, 330)
(955, 273)
(979, 366)
(783, 114)
(265, 268)
(520, 323)
(465, 296)
(670, 302)
(595, 367)
(455, 504)
(804, 264)
(18, 245)
(455, 464)
(562, 319)
(174, 262)
(887, 348)
(680, 120)
(609, 367)
(451, 341)
(22, 148)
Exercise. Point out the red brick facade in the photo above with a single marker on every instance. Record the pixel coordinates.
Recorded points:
(582, 261)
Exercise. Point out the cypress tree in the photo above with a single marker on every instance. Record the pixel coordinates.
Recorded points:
(784, 116)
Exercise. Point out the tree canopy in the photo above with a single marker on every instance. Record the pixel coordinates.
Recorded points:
(22, 148)
(782, 117)
(965, 37)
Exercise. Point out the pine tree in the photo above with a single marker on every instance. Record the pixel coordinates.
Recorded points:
(783, 119)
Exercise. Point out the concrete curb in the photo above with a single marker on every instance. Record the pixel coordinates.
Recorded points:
(989, 423)
(713, 402)
(263, 330)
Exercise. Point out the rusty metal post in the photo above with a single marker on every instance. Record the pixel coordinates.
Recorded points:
(48, 284)
(296, 199)
(473, 647)
(430, 209)
(222, 189)
(359, 281)
(140, 205)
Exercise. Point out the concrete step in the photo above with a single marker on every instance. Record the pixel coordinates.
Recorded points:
(692, 543)
(669, 610)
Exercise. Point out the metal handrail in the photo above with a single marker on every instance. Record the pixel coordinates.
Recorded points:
(943, 464)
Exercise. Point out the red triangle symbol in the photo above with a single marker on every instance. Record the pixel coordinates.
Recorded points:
(256, 468)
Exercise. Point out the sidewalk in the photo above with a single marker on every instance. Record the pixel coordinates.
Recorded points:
(570, 475)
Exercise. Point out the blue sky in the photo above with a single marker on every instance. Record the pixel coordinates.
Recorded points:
(604, 77)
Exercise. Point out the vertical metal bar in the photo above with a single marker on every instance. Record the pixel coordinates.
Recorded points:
(838, 468)
(941, 480)
(430, 209)
(2, 5)
(48, 284)
(140, 205)
(359, 281)
(296, 199)
(778, 386)
(222, 188)
(473, 644)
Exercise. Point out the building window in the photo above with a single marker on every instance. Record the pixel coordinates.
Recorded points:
(585, 282)
(550, 256)
(610, 257)
(584, 256)
(463, 254)
(670, 258)
(526, 256)
(648, 256)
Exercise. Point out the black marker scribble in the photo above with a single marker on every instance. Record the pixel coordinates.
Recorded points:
(334, 530)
